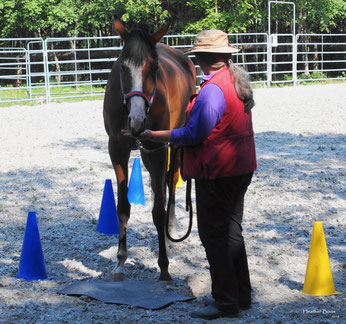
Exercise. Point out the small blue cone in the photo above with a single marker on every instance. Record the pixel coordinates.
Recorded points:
(31, 265)
(135, 192)
(108, 222)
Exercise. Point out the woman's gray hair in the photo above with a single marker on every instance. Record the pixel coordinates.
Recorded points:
(239, 75)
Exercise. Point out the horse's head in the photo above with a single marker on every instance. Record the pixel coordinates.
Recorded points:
(138, 70)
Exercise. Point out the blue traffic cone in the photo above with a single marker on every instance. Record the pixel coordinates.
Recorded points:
(31, 265)
(135, 192)
(108, 219)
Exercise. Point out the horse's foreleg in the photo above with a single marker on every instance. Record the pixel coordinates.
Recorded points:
(119, 160)
(156, 165)
(123, 209)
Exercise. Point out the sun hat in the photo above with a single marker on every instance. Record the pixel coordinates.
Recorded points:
(212, 41)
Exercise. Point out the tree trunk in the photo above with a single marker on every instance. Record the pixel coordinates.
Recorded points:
(243, 56)
(19, 73)
(57, 65)
(315, 59)
(306, 61)
(303, 30)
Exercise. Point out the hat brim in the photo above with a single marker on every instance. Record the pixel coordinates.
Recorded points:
(229, 49)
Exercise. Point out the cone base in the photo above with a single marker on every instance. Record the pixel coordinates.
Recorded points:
(323, 294)
(110, 234)
(30, 280)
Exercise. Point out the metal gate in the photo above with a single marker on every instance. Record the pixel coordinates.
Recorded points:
(282, 50)
(18, 80)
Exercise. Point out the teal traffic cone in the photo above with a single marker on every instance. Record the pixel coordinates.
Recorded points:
(135, 192)
(108, 222)
(31, 265)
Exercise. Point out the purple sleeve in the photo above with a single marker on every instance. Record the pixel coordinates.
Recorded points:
(206, 113)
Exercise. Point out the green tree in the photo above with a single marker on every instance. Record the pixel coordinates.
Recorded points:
(148, 11)
(96, 16)
(231, 16)
(52, 18)
(39, 18)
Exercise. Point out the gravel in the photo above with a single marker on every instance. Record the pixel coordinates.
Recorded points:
(54, 161)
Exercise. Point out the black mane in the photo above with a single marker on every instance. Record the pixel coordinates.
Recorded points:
(139, 44)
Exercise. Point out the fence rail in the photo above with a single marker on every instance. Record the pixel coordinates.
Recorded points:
(58, 68)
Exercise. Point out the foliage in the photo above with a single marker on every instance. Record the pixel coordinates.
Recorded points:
(150, 11)
(231, 16)
(54, 18)
(322, 15)
(39, 17)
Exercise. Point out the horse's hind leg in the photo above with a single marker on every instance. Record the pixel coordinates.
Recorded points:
(172, 224)
(120, 157)
(156, 164)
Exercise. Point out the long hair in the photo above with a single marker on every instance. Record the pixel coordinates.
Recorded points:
(239, 75)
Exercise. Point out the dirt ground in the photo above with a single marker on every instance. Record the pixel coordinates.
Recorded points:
(54, 161)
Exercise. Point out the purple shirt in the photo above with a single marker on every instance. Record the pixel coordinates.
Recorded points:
(206, 113)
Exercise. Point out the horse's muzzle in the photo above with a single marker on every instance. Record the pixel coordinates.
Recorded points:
(136, 126)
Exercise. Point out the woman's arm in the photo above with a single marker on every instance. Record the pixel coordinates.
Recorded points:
(206, 113)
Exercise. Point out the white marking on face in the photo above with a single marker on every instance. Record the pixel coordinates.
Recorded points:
(137, 111)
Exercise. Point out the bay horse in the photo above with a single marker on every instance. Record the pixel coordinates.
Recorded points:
(148, 88)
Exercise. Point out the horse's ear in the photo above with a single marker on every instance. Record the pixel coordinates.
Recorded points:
(119, 27)
(162, 31)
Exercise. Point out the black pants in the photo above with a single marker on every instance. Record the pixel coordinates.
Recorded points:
(220, 205)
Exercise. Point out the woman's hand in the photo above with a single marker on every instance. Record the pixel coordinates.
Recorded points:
(126, 133)
(162, 136)
(147, 134)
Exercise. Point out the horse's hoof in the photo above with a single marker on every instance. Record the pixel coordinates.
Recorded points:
(113, 276)
(165, 277)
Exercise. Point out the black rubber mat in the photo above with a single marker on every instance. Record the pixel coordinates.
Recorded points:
(149, 295)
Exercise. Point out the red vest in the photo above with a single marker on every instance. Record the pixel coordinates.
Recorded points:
(229, 150)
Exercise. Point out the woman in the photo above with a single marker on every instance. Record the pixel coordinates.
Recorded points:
(219, 153)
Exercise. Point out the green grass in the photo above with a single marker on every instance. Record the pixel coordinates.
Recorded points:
(80, 92)
(19, 93)
(39, 95)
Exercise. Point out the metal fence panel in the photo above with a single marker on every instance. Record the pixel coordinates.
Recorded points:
(59, 68)
(321, 57)
(79, 67)
(18, 77)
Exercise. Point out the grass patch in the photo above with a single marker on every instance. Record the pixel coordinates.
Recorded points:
(83, 92)
(57, 94)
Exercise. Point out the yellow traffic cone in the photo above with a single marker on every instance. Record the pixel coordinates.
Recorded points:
(169, 158)
(180, 180)
(318, 276)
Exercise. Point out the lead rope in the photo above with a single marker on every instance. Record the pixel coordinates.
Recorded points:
(173, 153)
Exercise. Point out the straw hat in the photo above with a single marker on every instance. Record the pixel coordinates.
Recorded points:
(212, 41)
